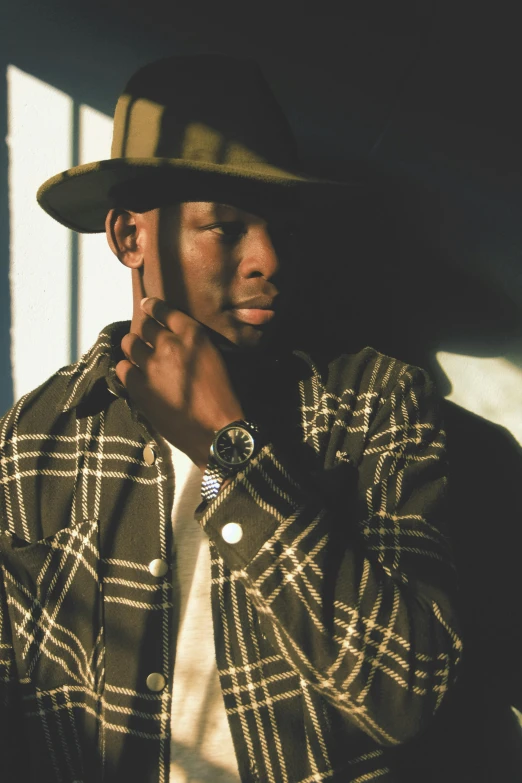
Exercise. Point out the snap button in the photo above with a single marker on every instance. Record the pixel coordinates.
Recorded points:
(149, 454)
(158, 567)
(232, 532)
(156, 682)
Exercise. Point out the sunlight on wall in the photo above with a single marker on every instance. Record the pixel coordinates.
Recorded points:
(105, 284)
(40, 143)
(489, 387)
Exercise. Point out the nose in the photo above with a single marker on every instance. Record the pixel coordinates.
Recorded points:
(259, 257)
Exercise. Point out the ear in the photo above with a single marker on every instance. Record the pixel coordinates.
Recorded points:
(122, 235)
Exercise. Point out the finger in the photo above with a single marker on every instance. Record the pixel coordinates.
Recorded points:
(156, 308)
(175, 320)
(151, 331)
(129, 375)
(135, 349)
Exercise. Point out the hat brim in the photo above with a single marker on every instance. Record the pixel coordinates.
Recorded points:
(81, 197)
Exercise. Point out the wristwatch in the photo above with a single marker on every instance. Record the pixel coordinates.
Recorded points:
(232, 449)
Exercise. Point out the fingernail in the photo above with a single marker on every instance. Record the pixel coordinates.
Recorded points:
(143, 300)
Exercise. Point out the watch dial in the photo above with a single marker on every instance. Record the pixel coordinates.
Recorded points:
(234, 446)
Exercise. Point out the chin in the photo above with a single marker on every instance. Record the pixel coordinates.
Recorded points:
(249, 338)
(257, 337)
(235, 336)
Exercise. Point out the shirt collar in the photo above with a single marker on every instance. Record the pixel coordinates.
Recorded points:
(93, 380)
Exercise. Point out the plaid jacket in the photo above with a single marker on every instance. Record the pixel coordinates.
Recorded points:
(333, 615)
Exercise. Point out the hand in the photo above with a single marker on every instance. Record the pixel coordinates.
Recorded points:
(180, 384)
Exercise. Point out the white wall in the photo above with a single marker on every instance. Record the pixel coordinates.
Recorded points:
(491, 387)
(40, 144)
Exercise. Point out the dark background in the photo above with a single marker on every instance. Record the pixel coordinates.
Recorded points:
(422, 100)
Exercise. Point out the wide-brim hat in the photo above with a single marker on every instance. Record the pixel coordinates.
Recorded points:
(190, 123)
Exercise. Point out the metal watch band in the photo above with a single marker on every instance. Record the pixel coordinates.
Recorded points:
(213, 478)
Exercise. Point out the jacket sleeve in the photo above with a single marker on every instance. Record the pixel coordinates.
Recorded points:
(11, 740)
(356, 589)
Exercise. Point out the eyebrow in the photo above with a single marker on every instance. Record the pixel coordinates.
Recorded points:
(218, 205)
(214, 207)
(284, 212)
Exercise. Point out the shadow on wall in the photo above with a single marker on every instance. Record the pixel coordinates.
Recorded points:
(388, 282)
(477, 736)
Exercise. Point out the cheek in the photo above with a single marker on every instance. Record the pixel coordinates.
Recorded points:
(205, 272)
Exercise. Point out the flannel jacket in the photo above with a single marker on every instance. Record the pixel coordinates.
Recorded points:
(334, 618)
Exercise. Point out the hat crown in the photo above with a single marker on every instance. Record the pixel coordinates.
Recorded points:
(206, 109)
(191, 127)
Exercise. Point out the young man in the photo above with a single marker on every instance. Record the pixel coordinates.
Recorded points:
(222, 559)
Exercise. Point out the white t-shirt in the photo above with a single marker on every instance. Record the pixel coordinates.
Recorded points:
(201, 743)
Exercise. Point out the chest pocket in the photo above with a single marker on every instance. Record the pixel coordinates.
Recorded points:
(55, 606)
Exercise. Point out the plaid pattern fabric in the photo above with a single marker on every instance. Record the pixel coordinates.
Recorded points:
(333, 615)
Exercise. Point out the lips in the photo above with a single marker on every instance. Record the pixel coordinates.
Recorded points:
(262, 302)
(256, 311)
(253, 315)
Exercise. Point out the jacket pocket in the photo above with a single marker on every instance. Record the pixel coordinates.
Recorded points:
(55, 605)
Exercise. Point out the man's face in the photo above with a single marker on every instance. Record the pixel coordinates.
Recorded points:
(220, 264)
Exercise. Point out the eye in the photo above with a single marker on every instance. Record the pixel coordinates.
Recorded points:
(229, 231)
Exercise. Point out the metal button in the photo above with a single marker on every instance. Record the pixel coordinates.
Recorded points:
(156, 682)
(158, 567)
(232, 533)
(149, 455)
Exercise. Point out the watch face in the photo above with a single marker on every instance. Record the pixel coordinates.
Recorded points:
(234, 446)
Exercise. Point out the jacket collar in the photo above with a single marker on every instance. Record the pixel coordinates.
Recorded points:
(93, 380)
